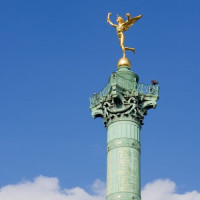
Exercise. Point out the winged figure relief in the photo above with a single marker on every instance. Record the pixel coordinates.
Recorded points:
(122, 26)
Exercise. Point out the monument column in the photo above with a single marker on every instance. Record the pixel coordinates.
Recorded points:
(122, 104)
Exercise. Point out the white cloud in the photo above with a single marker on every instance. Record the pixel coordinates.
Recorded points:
(46, 188)
(166, 190)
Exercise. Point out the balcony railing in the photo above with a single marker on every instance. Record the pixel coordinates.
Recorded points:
(141, 89)
(148, 89)
(97, 96)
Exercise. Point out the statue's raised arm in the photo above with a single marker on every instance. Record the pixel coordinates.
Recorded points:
(108, 20)
(128, 15)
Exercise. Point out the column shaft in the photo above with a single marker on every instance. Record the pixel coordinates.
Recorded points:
(123, 161)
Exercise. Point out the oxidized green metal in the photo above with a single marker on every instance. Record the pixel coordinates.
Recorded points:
(122, 104)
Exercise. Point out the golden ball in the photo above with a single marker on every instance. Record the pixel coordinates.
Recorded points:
(124, 62)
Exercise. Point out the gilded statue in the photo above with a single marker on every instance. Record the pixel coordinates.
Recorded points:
(121, 27)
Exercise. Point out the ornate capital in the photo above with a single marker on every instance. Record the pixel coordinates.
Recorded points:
(123, 98)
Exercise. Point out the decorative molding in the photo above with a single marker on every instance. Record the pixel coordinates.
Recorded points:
(123, 196)
(123, 142)
(120, 105)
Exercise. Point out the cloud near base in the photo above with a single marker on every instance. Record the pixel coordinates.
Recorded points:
(47, 188)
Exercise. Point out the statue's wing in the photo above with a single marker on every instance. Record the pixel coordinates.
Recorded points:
(130, 22)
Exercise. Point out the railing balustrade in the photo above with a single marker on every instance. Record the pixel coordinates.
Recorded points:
(141, 89)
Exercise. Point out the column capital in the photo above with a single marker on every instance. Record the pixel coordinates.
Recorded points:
(124, 98)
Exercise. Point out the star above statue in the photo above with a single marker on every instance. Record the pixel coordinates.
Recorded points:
(121, 27)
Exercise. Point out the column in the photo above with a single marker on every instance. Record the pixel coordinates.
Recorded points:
(123, 161)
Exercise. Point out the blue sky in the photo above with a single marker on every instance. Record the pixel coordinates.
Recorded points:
(56, 54)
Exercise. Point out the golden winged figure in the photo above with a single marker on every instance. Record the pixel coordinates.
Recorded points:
(121, 27)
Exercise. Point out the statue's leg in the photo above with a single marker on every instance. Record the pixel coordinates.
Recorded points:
(121, 41)
(131, 49)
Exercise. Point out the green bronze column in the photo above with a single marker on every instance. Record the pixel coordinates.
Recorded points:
(123, 160)
(122, 104)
